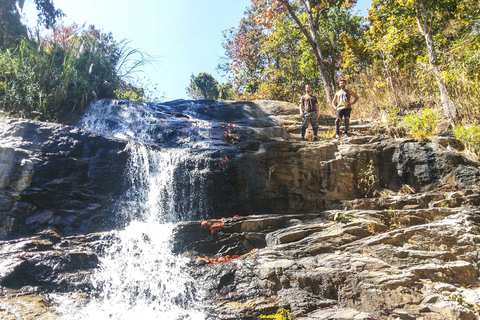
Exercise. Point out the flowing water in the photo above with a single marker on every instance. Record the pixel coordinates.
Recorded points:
(139, 277)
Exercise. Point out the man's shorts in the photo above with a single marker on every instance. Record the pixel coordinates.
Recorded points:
(344, 113)
(310, 117)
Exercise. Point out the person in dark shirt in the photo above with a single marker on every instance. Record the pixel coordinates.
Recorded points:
(309, 112)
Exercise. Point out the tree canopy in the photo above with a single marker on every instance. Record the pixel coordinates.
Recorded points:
(11, 27)
(405, 53)
(204, 86)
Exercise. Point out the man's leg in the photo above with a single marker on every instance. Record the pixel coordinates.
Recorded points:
(347, 121)
(304, 126)
(314, 127)
(338, 121)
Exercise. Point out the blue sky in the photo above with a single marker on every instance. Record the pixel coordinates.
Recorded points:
(185, 36)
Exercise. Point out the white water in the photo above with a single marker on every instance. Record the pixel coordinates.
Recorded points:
(139, 277)
(143, 123)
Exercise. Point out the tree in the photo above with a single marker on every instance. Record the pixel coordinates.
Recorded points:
(47, 14)
(243, 46)
(313, 10)
(275, 61)
(203, 86)
(424, 13)
(392, 22)
(11, 27)
(225, 91)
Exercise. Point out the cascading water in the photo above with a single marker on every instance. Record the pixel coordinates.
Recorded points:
(139, 277)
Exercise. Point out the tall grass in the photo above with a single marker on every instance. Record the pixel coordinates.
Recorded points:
(470, 135)
(50, 78)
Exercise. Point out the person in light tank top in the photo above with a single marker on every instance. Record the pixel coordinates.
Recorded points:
(342, 105)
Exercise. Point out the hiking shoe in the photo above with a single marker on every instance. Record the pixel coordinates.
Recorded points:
(315, 139)
(303, 139)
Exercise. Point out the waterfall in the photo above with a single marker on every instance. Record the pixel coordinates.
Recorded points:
(139, 277)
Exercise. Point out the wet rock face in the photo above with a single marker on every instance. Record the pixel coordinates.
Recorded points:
(57, 177)
(33, 268)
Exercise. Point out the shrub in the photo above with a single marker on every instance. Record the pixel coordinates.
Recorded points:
(60, 74)
(367, 179)
(423, 126)
(470, 136)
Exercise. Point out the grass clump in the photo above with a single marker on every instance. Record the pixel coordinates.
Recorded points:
(470, 136)
(367, 180)
(53, 76)
(282, 314)
(421, 126)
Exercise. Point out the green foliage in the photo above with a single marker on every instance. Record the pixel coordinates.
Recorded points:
(393, 116)
(461, 301)
(11, 28)
(392, 64)
(341, 217)
(10, 25)
(129, 95)
(60, 74)
(367, 180)
(282, 314)
(47, 14)
(225, 91)
(144, 88)
(274, 60)
(203, 86)
(423, 126)
(470, 136)
(386, 56)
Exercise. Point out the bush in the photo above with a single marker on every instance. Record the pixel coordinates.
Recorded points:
(470, 136)
(423, 126)
(129, 95)
(52, 77)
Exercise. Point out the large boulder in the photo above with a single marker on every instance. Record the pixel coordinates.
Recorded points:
(58, 177)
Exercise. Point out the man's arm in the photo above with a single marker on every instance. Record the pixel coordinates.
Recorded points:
(355, 97)
(301, 107)
(334, 102)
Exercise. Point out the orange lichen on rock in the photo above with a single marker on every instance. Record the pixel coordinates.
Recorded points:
(217, 226)
(206, 225)
(212, 261)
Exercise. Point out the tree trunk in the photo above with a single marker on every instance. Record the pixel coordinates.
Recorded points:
(19, 5)
(423, 21)
(311, 35)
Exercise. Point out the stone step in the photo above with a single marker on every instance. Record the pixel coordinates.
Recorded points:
(453, 199)
(297, 128)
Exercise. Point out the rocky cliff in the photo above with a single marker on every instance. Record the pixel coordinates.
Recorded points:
(366, 227)
(56, 177)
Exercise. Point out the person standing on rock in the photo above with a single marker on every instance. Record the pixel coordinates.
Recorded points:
(341, 103)
(309, 112)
